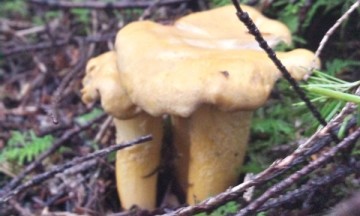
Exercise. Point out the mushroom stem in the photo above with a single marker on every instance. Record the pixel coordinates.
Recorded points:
(136, 175)
(211, 146)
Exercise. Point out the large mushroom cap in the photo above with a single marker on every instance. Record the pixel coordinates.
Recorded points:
(102, 80)
(163, 73)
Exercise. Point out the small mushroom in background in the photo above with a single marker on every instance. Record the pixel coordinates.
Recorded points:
(135, 166)
(202, 75)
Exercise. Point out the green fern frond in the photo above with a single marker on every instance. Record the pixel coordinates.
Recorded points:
(24, 147)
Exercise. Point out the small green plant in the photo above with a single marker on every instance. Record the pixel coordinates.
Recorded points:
(273, 126)
(83, 119)
(229, 208)
(289, 15)
(219, 3)
(336, 66)
(48, 15)
(24, 147)
(274, 122)
(281, 121)
(13, 7)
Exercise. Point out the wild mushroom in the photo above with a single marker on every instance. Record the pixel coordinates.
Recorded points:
(220, 28)
(209, 86)
(135, 166)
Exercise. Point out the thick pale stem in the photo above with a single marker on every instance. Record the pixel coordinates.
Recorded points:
(211, 146)
(136, 166)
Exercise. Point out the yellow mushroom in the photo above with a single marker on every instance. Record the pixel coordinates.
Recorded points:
(135, 166)
(220, 28)
(208, 73)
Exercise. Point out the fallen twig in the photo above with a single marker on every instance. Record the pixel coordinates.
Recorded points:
(65, 81)
(22, 211)
(58, 143)
(57, 169)
(278, 188)
(339, 173)
(334, 27)
(149, 10)
(6, 52)
(248, 22)
(127, 4)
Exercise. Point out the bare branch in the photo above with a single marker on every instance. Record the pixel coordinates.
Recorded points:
(127, 4)
(57, 144)
(248, 22)
(339, 173)
(57, 169)
(278, 188)
(58, 43)
(53, 113)
(334, 27)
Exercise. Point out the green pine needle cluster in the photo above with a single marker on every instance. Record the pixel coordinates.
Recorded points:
(329, 94)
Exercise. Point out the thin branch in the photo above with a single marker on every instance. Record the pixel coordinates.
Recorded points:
(334, 27)
(53, 113)
(149, 10)
(278, 188)
(100, 5)
(22, 211)
(102, 129)
(244, 17)
(58, 169)
(346, 110)
(6, 52)
(339, 173)
(57, 144)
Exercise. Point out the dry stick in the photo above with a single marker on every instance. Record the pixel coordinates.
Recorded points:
(306, 148)
(64, 83)
(244, 17)
(127, 4)
(22, 211)
(58, 169)
(48, 30)
(58, 143)
(103, 127)
(149, 10)
(312, 145)
(46, 45)
(334, 27)
(51, 130)
(346, 110)
(94, 27)
(41, 66)
(318, 140)
(278, 188)
(339, 173)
